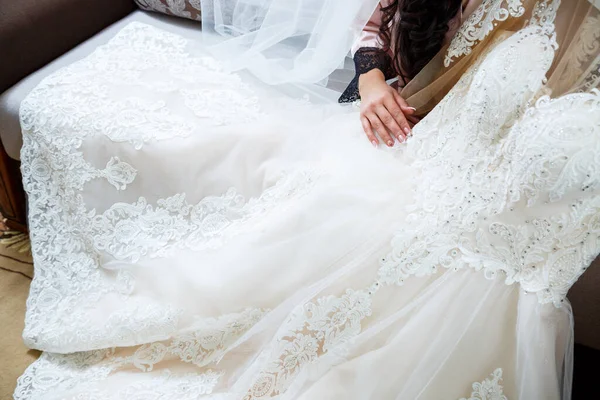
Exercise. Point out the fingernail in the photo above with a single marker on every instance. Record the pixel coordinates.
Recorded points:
(407, 131)
(390, 143)
(412, 108)
(401, 138)
(374, 143)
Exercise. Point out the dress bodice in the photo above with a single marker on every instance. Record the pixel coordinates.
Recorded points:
(505, 185)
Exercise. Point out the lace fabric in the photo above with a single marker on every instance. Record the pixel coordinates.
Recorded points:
(469, 216)
(365, 60)
(82, 236)
(489, 388)
(251, 251)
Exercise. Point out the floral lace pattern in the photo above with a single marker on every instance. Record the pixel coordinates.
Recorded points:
(582, 64)
(509, 174)
(130, 231)
(523, 201)
(365, 60)
(68, 239)
(204, 344)
(489, 389)
(592, 79)
(480, 24)
(53, 373)
(512, 163)
(315, 332)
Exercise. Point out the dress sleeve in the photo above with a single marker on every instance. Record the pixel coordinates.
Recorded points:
(368, 54)
(369, 37)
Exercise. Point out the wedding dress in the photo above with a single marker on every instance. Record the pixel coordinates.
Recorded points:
(198, 235)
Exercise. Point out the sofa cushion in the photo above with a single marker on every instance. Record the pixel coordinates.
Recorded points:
(180, 8)
(35, 32)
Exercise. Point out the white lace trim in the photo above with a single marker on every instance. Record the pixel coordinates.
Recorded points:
(514, 160)
(205, 343)
(529, 211)
(488, 389)
(68, 239)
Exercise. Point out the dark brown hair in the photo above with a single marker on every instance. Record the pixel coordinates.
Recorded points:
(418, 33)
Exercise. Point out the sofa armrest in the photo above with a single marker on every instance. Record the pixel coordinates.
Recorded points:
(35, 32)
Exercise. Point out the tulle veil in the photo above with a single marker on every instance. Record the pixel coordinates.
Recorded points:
(302, 42)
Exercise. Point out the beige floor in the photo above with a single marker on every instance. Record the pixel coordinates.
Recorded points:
(16, 271)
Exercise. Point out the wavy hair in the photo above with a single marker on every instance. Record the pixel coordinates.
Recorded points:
(417, 34)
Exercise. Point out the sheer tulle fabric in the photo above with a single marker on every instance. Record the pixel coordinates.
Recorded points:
(492, 21)
(285, 41)
(198, 235)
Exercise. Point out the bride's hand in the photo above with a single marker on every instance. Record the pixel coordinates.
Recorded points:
(383, 110)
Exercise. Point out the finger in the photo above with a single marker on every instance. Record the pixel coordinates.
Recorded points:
(389, 121)
(369, 131)
(402, 124)
(408, 110)
(399, 118)
(378, 126)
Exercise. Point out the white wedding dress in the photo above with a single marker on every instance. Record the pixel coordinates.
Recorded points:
(197, 236)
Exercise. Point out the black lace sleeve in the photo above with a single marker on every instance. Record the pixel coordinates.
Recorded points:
(366, 59)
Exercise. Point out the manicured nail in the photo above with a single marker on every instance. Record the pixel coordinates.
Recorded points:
(390, 143)
(412, 108)
(401, 138)
(374, 143)
(407, 131)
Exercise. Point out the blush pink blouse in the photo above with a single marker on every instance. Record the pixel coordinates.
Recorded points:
(372, 55)
(369, 36)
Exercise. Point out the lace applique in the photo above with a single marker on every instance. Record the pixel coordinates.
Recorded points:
(205, 343)
(316, 331)
(68, 239)
(134, 322)
(587, 45)
(141, 58)
(512, 161)
(131, 231)
(489, 389)
(530, 211)
(479, 25)
(544, 14)
(128, 232)
(365, 60)
(591, 79)
(62, 372)
(55, 373)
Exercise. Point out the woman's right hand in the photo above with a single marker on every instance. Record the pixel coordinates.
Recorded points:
(383, 110)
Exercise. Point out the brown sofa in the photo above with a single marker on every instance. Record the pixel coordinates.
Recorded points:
(35, 32)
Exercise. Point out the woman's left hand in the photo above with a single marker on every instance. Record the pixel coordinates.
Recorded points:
(383, 111)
